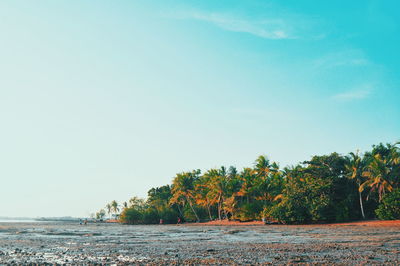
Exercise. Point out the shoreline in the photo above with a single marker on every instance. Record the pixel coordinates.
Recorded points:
(375, 223)
(217, 242)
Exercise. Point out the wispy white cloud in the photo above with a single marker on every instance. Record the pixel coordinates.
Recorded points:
(272, 24)
(343, 58)
(268, 29)
(358, 93)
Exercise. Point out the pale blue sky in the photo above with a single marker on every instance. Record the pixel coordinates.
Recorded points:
(102, 100)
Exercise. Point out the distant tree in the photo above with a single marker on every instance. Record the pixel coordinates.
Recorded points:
(100, 214)
(183, 189)
(158, 198)
(379, 175)
(109, 209)
(216, 188)
(355, 167)
(389, 208)
(326, 188)
(114, 207)
(137, 203)
(131, 216)
(202, 192)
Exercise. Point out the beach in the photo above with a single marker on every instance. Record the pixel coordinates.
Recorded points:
(211, 243)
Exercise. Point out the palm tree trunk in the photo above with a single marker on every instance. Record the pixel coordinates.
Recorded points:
(223, 209)
(219, 208)
(361, 201)
(219, 211)
(191, 206)
(209, 211)
(179, 210)
(361, 205)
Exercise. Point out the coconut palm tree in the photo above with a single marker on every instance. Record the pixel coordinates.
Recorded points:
(378, 174)
(262, 167)
(202, 199)
(100, 214)
(114, 207)
(248, 187)
(183, 189)
(202, 192)
(232, 187)
(109, 208)
(267, 175)
(355, 168)
(216, 188)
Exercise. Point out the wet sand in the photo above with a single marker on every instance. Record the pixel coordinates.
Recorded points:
(66, 243)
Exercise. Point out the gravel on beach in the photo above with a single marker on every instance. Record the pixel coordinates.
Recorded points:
(107, 244)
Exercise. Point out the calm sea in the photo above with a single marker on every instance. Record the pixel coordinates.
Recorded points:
(18, 221)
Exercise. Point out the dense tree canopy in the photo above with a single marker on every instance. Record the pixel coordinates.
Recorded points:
(327, 188)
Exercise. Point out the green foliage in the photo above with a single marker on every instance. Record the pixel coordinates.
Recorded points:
(100, 214)
(318, 192)
(150, 216)
(169, 216)
(131, 216)
(389, 208)
(190, 216)
(328, 188)
(159, 197)
(249, 211)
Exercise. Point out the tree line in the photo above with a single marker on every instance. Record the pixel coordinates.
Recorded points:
(328, 188)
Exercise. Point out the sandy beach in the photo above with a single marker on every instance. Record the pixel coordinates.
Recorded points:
(370, 242)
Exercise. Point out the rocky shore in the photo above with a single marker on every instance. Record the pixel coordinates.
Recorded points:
(67, 243)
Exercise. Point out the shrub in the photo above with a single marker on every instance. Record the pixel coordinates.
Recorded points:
(150, 216)
(131, 216)
(249, 211)
(289, 211)
(169, 216)
(190, 216)
(389, 208)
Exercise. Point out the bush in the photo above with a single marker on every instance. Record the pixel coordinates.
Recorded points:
(150, 216)
(289, 211)
(169, 216)
(249, 211)
(389, 208)
(131, 216)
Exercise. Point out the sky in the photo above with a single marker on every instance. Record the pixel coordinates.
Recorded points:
(103, 100)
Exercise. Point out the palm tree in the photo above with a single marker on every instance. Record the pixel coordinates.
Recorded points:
(378, 174)
(267, 175)
(100, 214)
(109, 208)
(217, 188)
(355, 167)
(232, 172)
(183, 189)
(248, 184)
(232, 187)
(202, 192)
(202, 199)
(262, 167)
(114, 207)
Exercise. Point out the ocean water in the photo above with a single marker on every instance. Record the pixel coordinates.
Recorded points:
(18, 221)
(25, 229)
